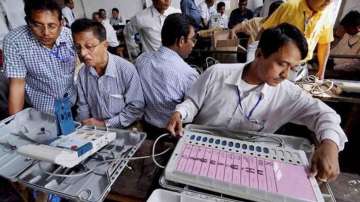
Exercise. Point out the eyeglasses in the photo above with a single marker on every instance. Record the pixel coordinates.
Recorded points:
(41, 28)
(89, 48)
(194, 39)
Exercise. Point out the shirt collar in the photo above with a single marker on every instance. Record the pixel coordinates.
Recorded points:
(305, 8)
(155, 12)
(168, 52)
(110, 70)
(235, 79)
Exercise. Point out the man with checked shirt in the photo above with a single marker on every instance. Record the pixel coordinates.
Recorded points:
(40, 59)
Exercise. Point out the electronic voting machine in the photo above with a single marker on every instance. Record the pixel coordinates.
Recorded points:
(242, 169)
(81, 166)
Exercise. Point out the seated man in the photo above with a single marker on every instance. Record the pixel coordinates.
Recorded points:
(349, 43)
(165, 76)
(256, 96)
(109, 89)
(220, 19)
(239, 14)
(39, 59)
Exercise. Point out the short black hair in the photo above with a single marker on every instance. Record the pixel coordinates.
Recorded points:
(115, 9)
(46, 5)
(84, 24)
(351, 19)
(273, 39)
(219, 5)
(175, 26)
(275, 5)
(67, 1)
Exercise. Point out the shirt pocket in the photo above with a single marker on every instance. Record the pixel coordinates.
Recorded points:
(116, 103)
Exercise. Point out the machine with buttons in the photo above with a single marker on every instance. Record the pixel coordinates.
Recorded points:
(69, 150)
(243, 169)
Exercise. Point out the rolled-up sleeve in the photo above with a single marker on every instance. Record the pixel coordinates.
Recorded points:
(134, 100)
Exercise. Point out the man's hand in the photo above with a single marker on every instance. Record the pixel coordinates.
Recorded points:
(232, 34)
(93, 122)
(325, 163)
(174, 125)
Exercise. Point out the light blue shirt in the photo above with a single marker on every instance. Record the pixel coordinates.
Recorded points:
(189, 7)
(48, 73)
(115, 97)
(165, 78)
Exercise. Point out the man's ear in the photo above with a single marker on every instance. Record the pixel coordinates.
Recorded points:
(106, 44)
(258, 53)
(180, 42)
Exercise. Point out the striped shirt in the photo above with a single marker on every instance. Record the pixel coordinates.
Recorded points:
(48, 73)
(165, 78)
(115, 97)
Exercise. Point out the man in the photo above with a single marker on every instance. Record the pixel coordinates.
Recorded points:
(111, 36)
(108, 86)
(206, 9)
(148, 24)
(256, 96)
(102, 13)
(239, 14)
(115, 19)
(349, 43)
(40, 59)
(313, 18)
(68, 12)
(165, 76)
(220, 19)
(190, 8)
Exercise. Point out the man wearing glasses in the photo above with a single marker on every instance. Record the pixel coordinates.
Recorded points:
(257, 96)
(165, 76)
(109, 89)
(40, 59)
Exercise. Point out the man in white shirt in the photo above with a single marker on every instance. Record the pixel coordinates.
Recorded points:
(220, 19)
(148, 24)
(68, 13)
(207, 10)
(257, 96)
(111, 37)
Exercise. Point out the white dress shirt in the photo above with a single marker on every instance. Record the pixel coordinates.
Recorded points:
(68, 14)
(218, 20)
(110, 34)
(221, 98)
(148, 23)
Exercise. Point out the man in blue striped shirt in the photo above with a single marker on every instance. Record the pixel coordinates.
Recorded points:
(165, 76)
(109, 89)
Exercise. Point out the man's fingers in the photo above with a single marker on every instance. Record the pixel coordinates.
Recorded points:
(171, 127)
(178, 128)
(313, 169)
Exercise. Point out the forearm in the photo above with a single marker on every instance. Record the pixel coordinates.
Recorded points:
(131, 113)
(323, 52)
(16, 95)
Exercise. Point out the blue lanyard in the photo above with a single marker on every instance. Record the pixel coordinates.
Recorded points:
(253, 109)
